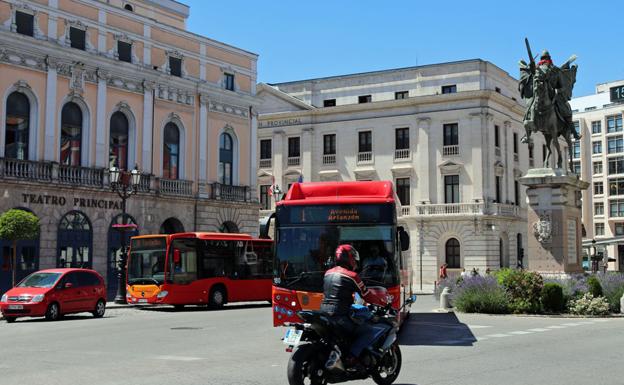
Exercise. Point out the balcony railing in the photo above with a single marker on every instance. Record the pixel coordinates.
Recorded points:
(329, 159)
(450, 150)
(402, 153)
(294, 160)
(405, 211)
(26, 169)
(230, 193)
(175, 187)
(81, 176)
(265, 163)
(365, 157)
(498, 209)
(145, 184)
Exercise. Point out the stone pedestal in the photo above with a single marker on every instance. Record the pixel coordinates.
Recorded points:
(554, 221)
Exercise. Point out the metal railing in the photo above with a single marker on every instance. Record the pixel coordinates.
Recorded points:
(175, 187)
(450, 150)
(402, 153)
(230, 193)
(365, 157)
(294, 160)
(81, 176)
(266, 163)
(329, 159)
(26, 169)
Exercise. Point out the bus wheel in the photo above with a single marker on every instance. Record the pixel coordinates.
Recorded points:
(217, 297)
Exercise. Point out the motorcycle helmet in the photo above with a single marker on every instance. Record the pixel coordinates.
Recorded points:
(347, 257)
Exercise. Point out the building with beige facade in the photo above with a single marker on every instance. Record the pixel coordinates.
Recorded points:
(87, 85)
(447, 135)
(599, 159)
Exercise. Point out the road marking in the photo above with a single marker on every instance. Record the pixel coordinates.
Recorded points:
(520, 332)
(572, 324)
(478, 326)
(557, 327)
(586, 322)
(601, 320)
(539, 330)
(500, 335)
(178, 358)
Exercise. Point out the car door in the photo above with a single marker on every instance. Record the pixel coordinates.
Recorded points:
(89, 289)
(68, 298)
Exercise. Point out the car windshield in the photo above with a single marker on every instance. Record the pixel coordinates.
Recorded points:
(147, 261)
(40, 280)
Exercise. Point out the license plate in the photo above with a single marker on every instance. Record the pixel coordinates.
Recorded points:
(16, 307)
(142, 300)
(293, 336)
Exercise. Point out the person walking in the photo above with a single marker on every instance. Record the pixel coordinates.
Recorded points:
(443, 273)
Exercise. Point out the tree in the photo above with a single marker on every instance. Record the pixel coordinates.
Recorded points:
(17, 225)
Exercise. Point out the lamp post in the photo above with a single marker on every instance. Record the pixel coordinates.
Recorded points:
(125, 184)
(277, 193)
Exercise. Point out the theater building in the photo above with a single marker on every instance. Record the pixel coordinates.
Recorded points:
(86, 85)
(447, 135)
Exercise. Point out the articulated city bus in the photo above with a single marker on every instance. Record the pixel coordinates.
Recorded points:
(198, 269)
(313, 219)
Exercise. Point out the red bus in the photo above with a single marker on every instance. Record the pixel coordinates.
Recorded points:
(198, 268)
(313, 219)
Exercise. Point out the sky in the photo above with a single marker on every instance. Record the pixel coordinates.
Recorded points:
(299, 40)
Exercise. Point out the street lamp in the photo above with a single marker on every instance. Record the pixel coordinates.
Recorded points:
(277, 193)
(125, 184)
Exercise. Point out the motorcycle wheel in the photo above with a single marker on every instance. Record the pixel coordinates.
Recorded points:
(305, 366)
(389, 366)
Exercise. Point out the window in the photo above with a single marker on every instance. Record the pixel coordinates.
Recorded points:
(496, 136)
(515, 143)
(77, 38)
(124, 51)
(184, 271)
(616, 165)
(329, 144)
(597, 167)
(597, 147)
(497, 187)
(401, 95)
(449, 89)
(329, 103)
(25, 23)
(265, 149)
(226, 159)
(576, 166)
(451, 136)
(401, 138)
(452, 254)
(616, 208)
(619, 229)
(365, 141)
(171, 151)
(265, 198)
(175, 66)
(293, 147)
(228, 81)
(17, 126)
(616, 186)
(598, 208)
(615, 145)
(576, 150)
(118, 151)
(516, 193)
(451, 189)
(600, 227)
(596, 127)
(365, 99)
(598, 188)
(614, 123)
(403, 190)
(577, 127)
(71, 134)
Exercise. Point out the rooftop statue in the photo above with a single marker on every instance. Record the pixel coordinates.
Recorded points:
(546, 90)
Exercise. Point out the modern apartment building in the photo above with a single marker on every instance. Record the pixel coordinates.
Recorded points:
(447, 135)
(89, 84)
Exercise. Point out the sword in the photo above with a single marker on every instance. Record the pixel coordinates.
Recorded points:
(531, 59)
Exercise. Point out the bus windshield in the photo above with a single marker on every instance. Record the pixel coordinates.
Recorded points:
(304, 253)
(147, 261)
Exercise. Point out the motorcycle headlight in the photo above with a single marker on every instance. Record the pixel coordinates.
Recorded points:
(38, 298)
(162, 294)
(4, 298)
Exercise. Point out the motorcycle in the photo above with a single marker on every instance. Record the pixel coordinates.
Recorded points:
(318, 358)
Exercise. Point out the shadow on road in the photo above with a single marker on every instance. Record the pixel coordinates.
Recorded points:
(436, 329)
(170, 309)
(72, 317)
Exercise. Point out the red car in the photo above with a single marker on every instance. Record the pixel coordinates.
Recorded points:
(55, 292)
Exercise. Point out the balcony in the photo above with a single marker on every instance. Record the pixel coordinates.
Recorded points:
(365, 157)
(81, 176)
(329, 159)
(266, 163)
(402, 154)
(451, 150)
(294, 160)
(405, 211)
(25, 169)
(178, 187)
(452, 209)
(226, 192)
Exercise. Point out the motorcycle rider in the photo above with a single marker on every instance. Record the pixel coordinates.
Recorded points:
(339, 285)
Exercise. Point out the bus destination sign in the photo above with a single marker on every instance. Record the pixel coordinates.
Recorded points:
(617, 93)
(343, 215)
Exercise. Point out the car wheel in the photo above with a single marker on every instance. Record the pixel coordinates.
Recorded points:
(10, 319)
(53, 313)
(218, 298)
(100, 308)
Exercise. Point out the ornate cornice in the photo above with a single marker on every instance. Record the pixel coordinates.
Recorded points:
(22, 59)
(228, 109)
(173, 94)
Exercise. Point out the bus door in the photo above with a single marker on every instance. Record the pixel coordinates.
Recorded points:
(183, 271)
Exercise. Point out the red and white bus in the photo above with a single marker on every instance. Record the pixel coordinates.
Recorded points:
(198, 268)
(313, 219)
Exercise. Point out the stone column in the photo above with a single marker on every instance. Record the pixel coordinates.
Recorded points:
(306, 155)
(279, 149)
(203, 145)
(253, 148)
(51, 151)
(148, 118)
(101, 153)
(424, 173)
(554, 221)
(480, 155)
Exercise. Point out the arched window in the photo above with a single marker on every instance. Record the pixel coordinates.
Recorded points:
(171, 226)
(118, 151)
(71, 134)
(226, 157)
(128, 7)
(17, 126)
(452, 254)
(74, 241)
(171, 151)
(228, 227)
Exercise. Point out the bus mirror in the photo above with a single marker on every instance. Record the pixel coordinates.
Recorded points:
(404, 238)
(265, 224)
(176, 256)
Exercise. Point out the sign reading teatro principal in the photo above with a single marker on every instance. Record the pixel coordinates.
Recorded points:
(58, 200)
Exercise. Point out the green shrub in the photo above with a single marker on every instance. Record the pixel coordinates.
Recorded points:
(612, 284)
(589, 305)
(594, 287)
(524, 289)
(502, 275)
(614, 299)
(481, 295)
(552, 298)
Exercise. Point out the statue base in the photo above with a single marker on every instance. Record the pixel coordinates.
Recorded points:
(554, 220)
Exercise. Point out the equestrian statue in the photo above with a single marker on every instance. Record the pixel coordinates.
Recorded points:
(546, 90)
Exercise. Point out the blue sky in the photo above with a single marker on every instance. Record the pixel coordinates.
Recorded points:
(308, 39)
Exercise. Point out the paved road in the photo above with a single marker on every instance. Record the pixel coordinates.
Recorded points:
(238, 345)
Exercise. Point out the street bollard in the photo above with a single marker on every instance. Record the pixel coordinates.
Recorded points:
(444, 299)
(622, 304)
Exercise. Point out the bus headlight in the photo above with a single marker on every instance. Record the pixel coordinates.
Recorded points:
(162, 294)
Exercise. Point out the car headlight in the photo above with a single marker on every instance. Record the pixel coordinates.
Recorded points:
(38, 298)
(162, 294)
(4, 298)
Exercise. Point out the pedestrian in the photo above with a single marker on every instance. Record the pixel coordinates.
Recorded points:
(488, 271)
(443, 273)
(475, 272)
(464, 273)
